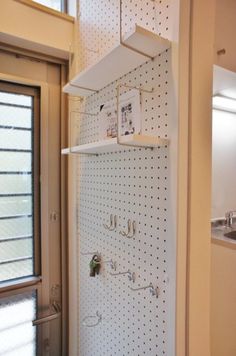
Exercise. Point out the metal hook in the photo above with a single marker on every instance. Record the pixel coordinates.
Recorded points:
(118, 88)
(98, 316)
(113, 223)
(76, 99)
(154, 291)
(110, 262)
(123, 233)
(221, 51)
(131, 275)
(71, 129)
(92, 50)
(129, 234)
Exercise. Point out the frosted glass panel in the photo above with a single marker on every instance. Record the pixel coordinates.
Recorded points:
(16, 205)
(15, 139)
(26, 350)
(17, 335)
(10, 184)
(16, 227)
(15, 161)
(15, 99)
(16, 117)
(53, 4)
(16, 182)
(16, 270)
(14, 249)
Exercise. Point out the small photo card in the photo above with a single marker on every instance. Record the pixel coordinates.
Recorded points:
(108, 120)
(130, 115)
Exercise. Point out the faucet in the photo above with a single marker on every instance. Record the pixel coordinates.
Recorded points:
(229, 218)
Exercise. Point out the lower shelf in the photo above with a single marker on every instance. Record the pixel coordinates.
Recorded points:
(111, 145)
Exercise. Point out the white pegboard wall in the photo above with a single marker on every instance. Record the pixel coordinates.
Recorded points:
(134, 323)
(155, 106)
(99, 24)
(98, 29)
(133, 184)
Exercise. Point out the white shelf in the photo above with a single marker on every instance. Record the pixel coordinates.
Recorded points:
(65, 151)
(111, 145)
(118, 62)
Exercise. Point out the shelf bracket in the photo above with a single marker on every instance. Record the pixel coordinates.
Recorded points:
(76, 99)
(127, 46)
(70, 129)
(135, 50)
(83, 88)
(119, 86)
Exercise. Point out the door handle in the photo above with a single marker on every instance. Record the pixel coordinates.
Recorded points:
(57, 313)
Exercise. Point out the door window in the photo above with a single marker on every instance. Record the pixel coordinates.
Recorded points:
(17, 335)
(19, 185)
(19, 218)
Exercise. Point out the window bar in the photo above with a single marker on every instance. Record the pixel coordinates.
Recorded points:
(17, 238)
(14, 260)
(16, 105)
(15, 195)
(15, 150)
(15, 172)
(7, 127)
(64, 6)
(19, 216)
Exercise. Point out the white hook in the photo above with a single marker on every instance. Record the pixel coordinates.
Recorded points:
(98, 316)
(113, 223)
(111, 263)
(129, 234)
(154, 291)
(131, 275)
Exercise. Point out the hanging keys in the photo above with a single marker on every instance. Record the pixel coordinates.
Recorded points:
(94, 266)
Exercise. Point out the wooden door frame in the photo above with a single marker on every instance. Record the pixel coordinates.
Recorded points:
(194, 178)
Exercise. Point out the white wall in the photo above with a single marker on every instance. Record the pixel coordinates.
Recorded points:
(223, 163)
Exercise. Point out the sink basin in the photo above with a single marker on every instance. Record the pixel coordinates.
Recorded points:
(231, 235)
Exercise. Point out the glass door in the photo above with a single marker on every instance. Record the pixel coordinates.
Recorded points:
(25, 313)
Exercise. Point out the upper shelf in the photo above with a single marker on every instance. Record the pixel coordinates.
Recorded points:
(118, 62)
(111, 145)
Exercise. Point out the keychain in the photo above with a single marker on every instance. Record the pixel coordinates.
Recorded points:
(94, 265)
